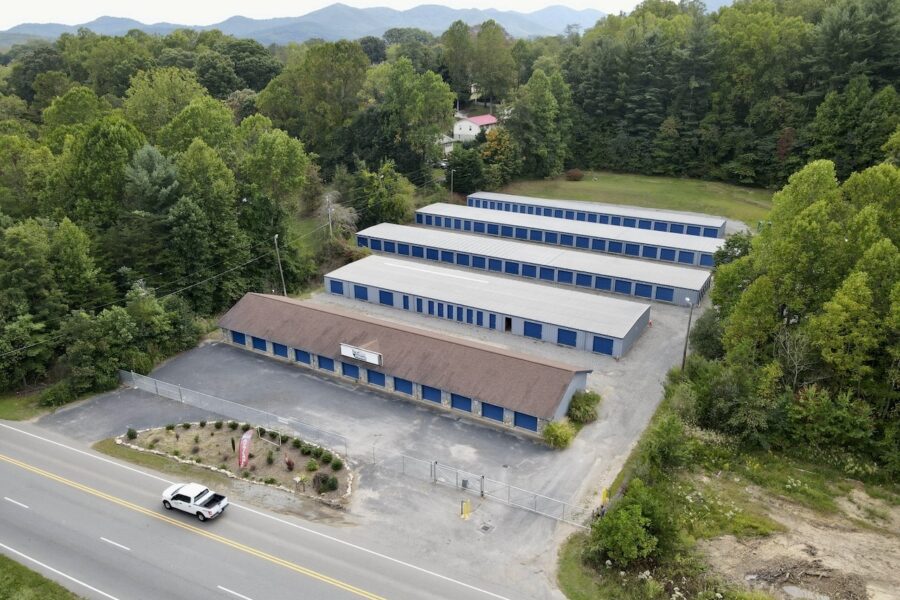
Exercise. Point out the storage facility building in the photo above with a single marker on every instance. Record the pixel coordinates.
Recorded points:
(638, 243)
(570, 318)
(636, 278)
(495, 386)
(608, 214)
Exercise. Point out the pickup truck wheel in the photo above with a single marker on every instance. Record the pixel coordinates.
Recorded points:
(166, 505)
(200, 516)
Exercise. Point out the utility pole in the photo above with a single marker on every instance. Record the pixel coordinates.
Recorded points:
(451, 184)
(687, 333)
(280, 272)
(328, 210)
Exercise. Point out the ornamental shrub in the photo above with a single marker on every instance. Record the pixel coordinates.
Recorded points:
(270, 458)
(297, 443)
(622, 535)
(312, 465)
(185, 425)
(202, 424)
(317, 451)
(337, 464)
(132, 434)
(559, 434)
(583, 408)
(218, 424)
(232, 425)
(326, 458)
(574, 175)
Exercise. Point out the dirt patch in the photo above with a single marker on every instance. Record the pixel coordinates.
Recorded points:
(819, 557)
(275, 459)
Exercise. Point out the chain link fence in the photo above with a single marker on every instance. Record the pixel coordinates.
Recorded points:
(433, 471)
(237, 411)
(485, 487)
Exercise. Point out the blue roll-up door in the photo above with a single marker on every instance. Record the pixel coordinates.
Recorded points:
(570, 214)
(405, 302)
(431, 307)
(660, 226)
(550, 237)
(583, 279)
(390, 247)
(492, 411)
(710, 232)
(495, 264)
(479, 318)
(629, 222)
(616, 220)
(479, 227)
(362, 242)
(440, 309)
(604, 219)
(326, 363)
(460, 402)
(419, 218)
(603, 283)
(693, 230)
(350, 370)
(403, 386)
(302, 356)
(470, 316)
(375, 377)
(686, 257)
(337, 287)
(615, 247)
(592, 217)
(603, 345)
(403, 249)
(632, 249)
(623, 287)
(450, 311)
(418, 305)
(511, 267)
(462, 259)
(478, 262)
(535, 235)
(667, 254)
(706, 260)
(238, 338)
(376, 244)
(649, 251)
(665, 294)
(644, 224)
(676, 228)
(431, 254)
(529, 271)
(598, 245)
(258, 343)
(644, 290)
(564, 276)
(360, 292)
(582, 242)
(506, 231)
(547, 274)
(558, 213)
(430, 393)
(525, 421)
(580, 216)
(521, 233)
(386, 298)
(566, 337)
(533, 330)
(279, 349)
(447, 256)
(492, 321)
(418, 252)
(566, 240)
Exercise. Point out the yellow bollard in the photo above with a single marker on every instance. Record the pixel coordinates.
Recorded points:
(465, 509)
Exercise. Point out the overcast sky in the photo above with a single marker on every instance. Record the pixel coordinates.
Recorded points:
(72, 12)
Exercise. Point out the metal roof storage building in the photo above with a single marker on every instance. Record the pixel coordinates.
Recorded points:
(636, 278)
(608, 214)
(638, 243)
(490, 384)
(570, 318)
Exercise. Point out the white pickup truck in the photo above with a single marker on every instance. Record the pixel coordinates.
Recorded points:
(194, 499)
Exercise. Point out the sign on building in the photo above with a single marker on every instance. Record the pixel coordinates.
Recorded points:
(373, 358)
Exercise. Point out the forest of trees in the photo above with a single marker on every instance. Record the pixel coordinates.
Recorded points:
(144, 178)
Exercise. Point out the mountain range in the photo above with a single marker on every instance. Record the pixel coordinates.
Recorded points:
(337, 21)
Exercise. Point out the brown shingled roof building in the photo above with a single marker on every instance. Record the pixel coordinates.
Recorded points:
(498, 386)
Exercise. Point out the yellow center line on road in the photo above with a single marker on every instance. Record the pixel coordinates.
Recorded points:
(212, 536)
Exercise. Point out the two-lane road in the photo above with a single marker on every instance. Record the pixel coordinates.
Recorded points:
(97, 526)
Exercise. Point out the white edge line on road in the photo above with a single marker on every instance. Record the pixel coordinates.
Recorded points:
(15, 502)
(115, 544)
(60, 573)
(225, 589)
(272, 518)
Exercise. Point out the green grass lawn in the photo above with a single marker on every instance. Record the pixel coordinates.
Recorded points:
(734, 202)
(17, 581)
(19, 406)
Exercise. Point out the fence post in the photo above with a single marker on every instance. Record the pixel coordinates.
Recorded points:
(482, 486)
(434, 472)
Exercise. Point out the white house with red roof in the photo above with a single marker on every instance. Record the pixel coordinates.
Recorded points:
(467, 128)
